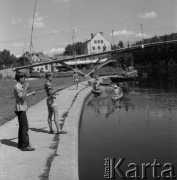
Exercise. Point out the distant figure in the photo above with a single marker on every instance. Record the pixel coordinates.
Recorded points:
(52, 104)
(117, 90)
(76, 79)
(96, 76)
(96, 73)
(104, 48)
(96, 85)
(20, 94)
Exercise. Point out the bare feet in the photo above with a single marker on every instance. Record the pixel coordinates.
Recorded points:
(61, 132)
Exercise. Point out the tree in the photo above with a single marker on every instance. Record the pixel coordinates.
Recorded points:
(113, 47)
(79, 48)
(68, 50)
(120, 44)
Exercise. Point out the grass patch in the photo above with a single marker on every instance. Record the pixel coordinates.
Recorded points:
(7, 101)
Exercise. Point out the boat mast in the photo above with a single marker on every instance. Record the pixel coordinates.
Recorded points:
(74, 47)
(113, 39)
(31, 43)
(142, 45)
(142, 33)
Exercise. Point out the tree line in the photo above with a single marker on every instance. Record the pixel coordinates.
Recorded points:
(8, 60)
(157, 55)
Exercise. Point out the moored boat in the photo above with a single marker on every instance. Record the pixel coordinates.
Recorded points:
(121, 79)
(127, 76)
(131, 73)
(97, 91)
(106, 82)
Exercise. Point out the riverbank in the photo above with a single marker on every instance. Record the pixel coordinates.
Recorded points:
(56, 156)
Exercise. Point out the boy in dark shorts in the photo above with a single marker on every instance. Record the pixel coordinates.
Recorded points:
(52, 104)
(76, 79)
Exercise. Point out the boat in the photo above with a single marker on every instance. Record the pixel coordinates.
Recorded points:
(117, 97)
(105, 82)
(121, 78)
(97, 91)
(129, 75)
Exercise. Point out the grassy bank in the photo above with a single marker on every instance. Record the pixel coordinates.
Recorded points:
(7, 100)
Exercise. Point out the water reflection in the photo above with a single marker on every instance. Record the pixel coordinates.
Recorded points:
(105, 105)
(140, 127)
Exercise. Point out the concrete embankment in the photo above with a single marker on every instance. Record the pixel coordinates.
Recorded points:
(56, 156)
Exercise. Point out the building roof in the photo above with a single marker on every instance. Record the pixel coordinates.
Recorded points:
(93, 37)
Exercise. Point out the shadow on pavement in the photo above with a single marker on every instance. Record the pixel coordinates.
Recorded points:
(39, 130)
(8, 142)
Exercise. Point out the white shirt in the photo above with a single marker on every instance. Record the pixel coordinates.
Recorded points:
(20, 102)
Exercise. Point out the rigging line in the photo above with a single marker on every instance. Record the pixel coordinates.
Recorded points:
(34, 37)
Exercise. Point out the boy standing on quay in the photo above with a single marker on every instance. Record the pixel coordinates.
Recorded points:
(76, 79)
(20, 94)
(52, 104)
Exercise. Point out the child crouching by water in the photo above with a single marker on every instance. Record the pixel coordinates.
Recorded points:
(52, 104)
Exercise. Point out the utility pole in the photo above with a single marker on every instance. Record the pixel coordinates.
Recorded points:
(128, 45)
(113, 37)
(74, 48)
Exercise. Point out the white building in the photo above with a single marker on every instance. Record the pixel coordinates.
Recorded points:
(97, 44)
(38, 58)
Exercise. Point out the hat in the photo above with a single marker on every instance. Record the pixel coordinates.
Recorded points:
(115, 86)
(19, 75)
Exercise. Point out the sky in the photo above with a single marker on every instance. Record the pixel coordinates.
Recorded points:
(56, 22)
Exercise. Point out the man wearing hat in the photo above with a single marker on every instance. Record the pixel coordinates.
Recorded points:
(117, 90)
(20, 94)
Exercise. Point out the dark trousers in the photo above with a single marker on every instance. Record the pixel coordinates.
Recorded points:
(23, 138)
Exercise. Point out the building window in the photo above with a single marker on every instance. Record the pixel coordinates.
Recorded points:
(98, 41)
(95, 41)
(93, 47)
(101, 41)
(46, 67)
(98, 47)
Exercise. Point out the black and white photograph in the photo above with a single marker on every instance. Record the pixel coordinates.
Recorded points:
(88, 89)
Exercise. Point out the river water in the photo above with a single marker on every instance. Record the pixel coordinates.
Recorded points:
(139, 129)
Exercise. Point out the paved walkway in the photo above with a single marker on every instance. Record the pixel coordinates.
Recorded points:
(56, 156)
